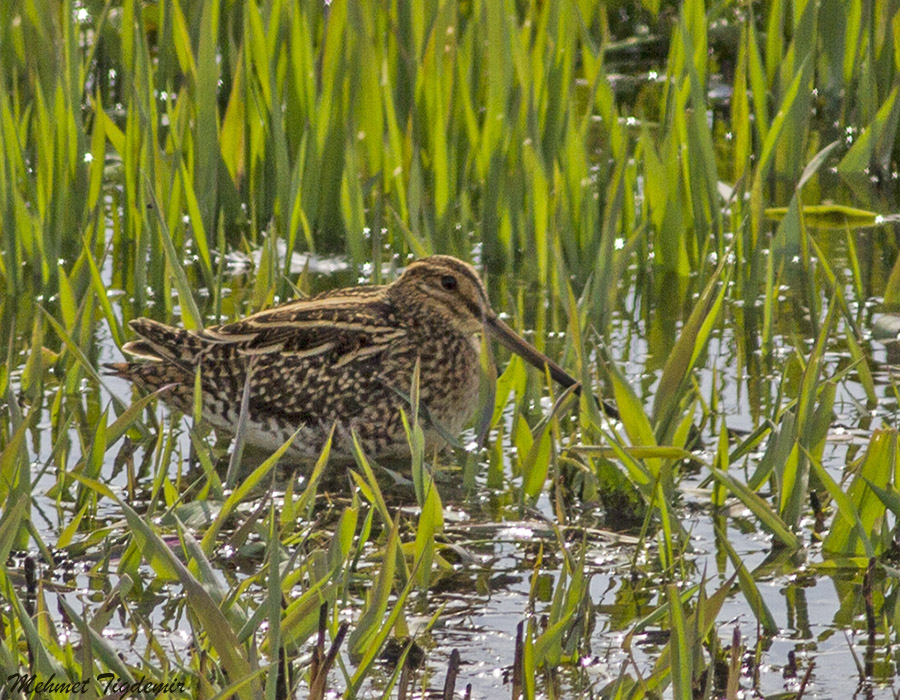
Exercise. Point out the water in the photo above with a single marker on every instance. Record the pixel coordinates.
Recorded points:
(495, 582)
(488, 595)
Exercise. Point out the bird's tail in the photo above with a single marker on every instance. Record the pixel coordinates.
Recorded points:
(161, 342)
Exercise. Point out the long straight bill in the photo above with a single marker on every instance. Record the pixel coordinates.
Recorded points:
(509, 339)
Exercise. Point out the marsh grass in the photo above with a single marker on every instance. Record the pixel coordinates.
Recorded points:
(734, 249)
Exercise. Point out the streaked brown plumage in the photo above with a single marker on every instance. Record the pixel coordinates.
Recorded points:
(342, 358)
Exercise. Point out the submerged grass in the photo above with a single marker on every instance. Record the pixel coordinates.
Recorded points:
(735, 246)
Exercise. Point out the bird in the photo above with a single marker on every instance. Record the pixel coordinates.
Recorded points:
(337, 364)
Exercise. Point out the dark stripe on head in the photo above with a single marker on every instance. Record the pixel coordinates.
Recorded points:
(472, 307)
(455, 266)
(452, 300)
(426, 274)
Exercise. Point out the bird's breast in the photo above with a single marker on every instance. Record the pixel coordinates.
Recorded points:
(449, 375)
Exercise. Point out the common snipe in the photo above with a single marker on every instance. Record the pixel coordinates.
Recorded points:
(342, 358)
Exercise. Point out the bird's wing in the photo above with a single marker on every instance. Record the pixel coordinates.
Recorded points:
(343, 326)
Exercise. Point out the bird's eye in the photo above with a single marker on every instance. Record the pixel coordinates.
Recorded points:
(449, 283)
